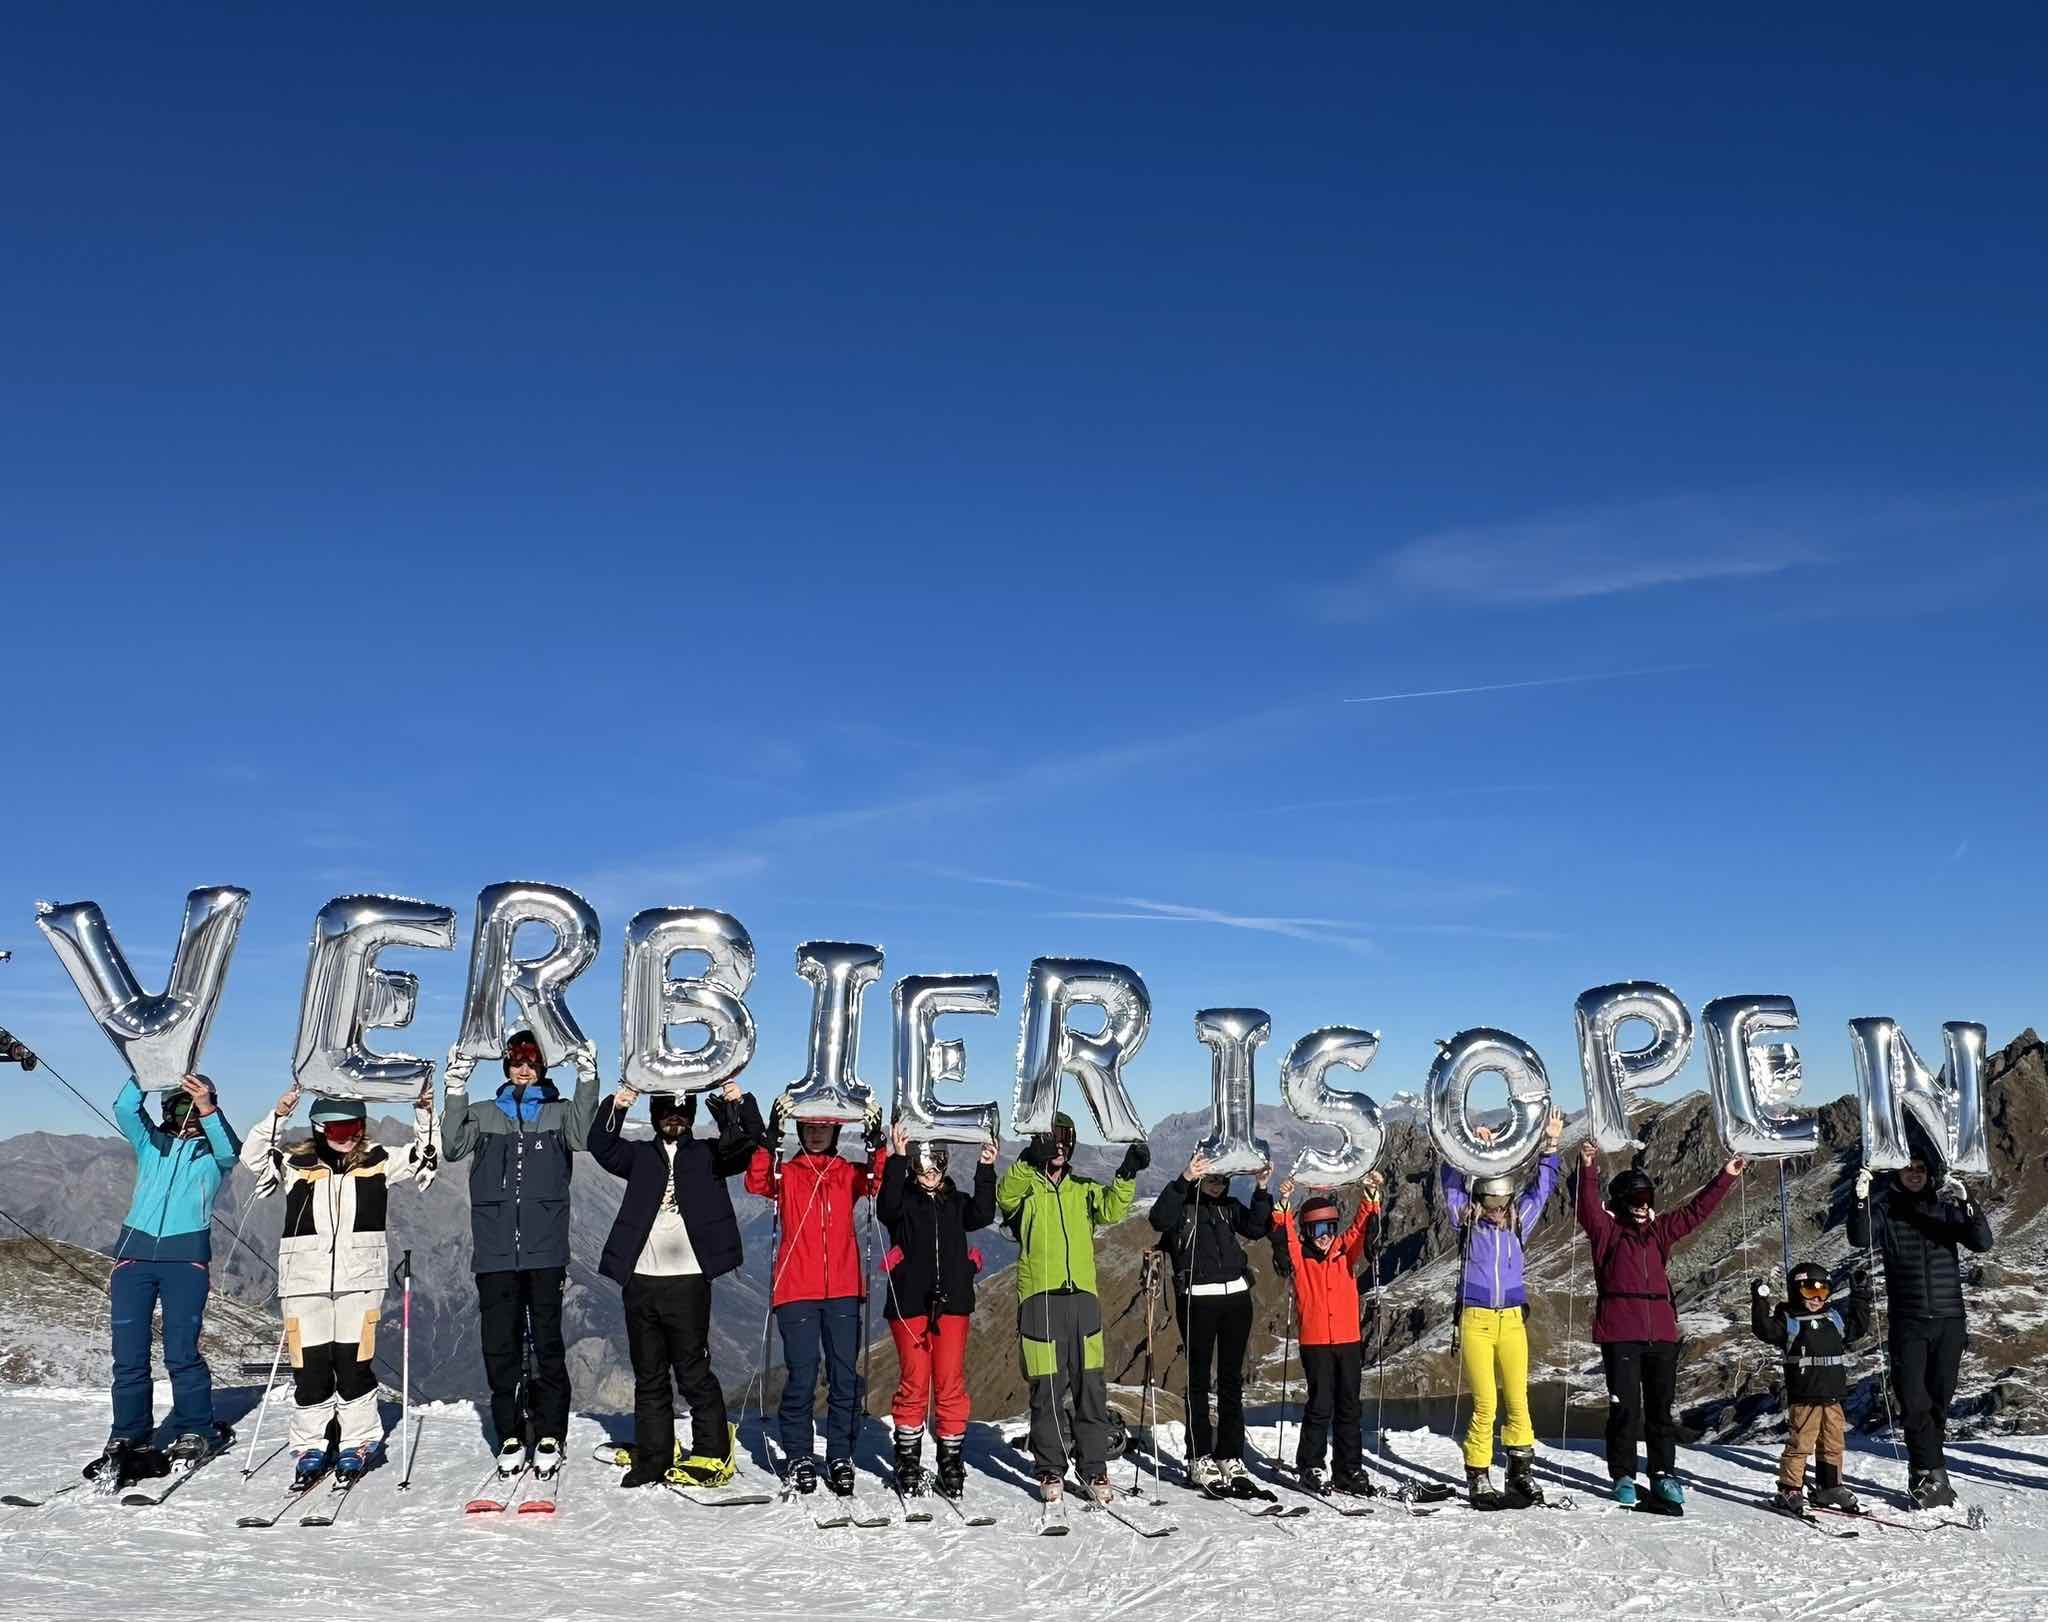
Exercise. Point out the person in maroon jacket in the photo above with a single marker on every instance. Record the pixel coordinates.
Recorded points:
(1635, 1323)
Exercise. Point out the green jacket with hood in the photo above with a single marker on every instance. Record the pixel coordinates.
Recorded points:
(1055, 1225)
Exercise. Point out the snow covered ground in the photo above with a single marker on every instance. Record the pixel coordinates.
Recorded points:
(609, 1554)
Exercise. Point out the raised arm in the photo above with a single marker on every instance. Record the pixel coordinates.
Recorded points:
(889, 1197)
(1169, 1206)
(1455, 1197)
(1696, 1210)
(981, 1208)
(1352, 1242)
(135, 1125)
(605, 1140)
(1766, 1316)
(1255, 1221)
(459, 1132)
(760, 1178)
(1594, 1216)
(1013, 1188)
(583, 1105)
(739, 1131)
(1536, 1198)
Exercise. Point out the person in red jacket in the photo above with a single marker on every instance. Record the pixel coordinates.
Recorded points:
(1324, 1266)
(819, 1285)
(1635, 1322)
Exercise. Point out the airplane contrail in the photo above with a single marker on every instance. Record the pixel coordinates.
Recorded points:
(1508, 686)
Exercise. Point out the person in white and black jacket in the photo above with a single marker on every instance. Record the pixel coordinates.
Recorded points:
(333, 1264)
(1202, 1229)
(675, 1233)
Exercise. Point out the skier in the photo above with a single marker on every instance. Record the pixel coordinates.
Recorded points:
(1201, 1228)
(1815, 1336)
(519, 1148)
(332, 1267)
(1323, 1265)
(1053, 1212)
(163, 1258)
(819, 1285)
(675, 1233)
(1918, 1231)
(931, 1270)
(1635, 1321)
(1493, 1317)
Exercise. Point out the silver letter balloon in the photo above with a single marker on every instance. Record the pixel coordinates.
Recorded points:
(1613, 1072)
(650, 1003)
(1232, 1036)
(1891, 1083)
(1050, 1048)
(1459, 1063)
(159, 1037)
(1752, 1082)
(1313, 1100)
(830, 1089)
(347, 995)
(923, 1059)
(537, 984)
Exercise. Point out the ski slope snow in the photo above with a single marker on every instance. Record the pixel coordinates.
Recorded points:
(610, 1554)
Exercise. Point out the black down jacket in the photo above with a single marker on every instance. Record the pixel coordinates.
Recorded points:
(1918, 1234)
(1203, 1235)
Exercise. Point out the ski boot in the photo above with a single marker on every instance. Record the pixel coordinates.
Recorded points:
(951, 1479)
(1206, 1477)
(1098, 1489)
(194, 1448)
(1311, 1478)
(1050, 1488)
(512, 1459)
(123, 1463)
(547, 1457)
(351, 1464)
(1668, 1489)
(910, 1463)
(1521, 1490)
(308, 1468)
(1932, 1491)
(635, 1476)
(1625, 1491)
(839, 1476)
(803, 1476)
(1480, 1491)
(1829, 1493)
(1237, 1481)
(1786, 1501)
(1353, 1484)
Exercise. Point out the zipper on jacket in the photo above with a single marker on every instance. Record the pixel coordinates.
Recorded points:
(1059, 1199)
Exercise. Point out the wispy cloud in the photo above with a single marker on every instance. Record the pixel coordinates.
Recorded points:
(1320, 931)
(1593, 552)
(1511, 686)
(961, 876)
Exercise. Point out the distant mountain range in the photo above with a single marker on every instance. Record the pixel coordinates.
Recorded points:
(75, 1188)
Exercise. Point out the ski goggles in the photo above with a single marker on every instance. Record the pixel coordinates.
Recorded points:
(177, 1106)
(1321, 1228)
(1496, 1202)
(1811, 1288)
(341, 1133)
(527, 1053)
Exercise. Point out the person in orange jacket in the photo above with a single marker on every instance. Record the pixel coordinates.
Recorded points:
(1324, 1267)
(818, 1285)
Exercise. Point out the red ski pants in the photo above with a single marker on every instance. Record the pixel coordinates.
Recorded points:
(934, 1365)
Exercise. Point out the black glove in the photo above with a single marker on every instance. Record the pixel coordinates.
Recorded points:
(871, 1128)
(1037, 1150)
(1136, 1158)
(773, 1141)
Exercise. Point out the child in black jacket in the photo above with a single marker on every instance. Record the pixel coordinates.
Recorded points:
(1815, 1335)
(931, 1299)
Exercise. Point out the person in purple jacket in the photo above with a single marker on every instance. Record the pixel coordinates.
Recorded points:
(1491, 1333)
(1635, 1321)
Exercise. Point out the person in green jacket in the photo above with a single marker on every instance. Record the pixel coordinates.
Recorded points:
(1054, 1211)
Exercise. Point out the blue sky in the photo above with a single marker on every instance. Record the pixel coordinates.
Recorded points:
(946, 477)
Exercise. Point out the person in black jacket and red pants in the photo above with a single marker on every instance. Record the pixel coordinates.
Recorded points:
(931, 1299)
(675, 1233)
(1918, 1232)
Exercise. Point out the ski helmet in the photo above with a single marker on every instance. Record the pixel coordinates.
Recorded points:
(662, 1105)
(1319, 1215)
(1631, 1188)
(831, 1146)
(343, 1119)
(523, 1044)
(1494, 1188)
(927, 1155)
(1809, 1285)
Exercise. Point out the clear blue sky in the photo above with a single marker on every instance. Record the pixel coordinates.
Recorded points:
(935, 476)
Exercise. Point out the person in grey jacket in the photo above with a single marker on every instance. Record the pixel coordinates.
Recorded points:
(518, 1145)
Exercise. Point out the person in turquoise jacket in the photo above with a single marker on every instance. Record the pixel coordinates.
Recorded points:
(163, 1258)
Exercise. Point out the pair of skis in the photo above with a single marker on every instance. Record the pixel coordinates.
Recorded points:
(326, 1507)
(178, 1477)
(539, 1501)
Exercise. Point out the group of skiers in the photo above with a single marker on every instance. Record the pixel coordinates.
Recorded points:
(676, 1232)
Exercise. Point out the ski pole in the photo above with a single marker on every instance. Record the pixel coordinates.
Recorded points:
(249, 1464)
(405, 1432)
(1286, 1370)
(867, 1266)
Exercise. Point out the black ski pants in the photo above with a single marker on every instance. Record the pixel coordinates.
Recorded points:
(511, 1306)
(1926, 1355)
(668, 1336)
(1332, 1373)
(1219, 1334)
(1642, 1382)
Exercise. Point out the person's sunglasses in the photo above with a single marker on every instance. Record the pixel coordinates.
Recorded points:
(1321, 1228)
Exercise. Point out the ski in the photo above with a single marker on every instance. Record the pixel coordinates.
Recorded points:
(1052, 1518)
(1650, 1504)
(916, 1512)
(16, 1501)
(542, 1492)
(1259, 1510)
(178, 1478)
(1807, 1519)
(1974, 1524)
(508, 1487)
(330, 1506)
(293, 1494)
(971, 1517)
(1329, 1500)
(1144, 1525)
(718, 1497)
(830, 1520)
(864, 1517)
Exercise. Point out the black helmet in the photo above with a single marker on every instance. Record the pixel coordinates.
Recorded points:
(927, 1154)
(1631, 1187)
(1808, 1275)
(685, 1105)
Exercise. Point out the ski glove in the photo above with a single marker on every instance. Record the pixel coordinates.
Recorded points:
(1952, 1189)
(585, 1060)
(871, 1127)
(459, 1067)
(1863, 1179)
(1136, 1158)
(776, 1122)
(1037, 1150)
